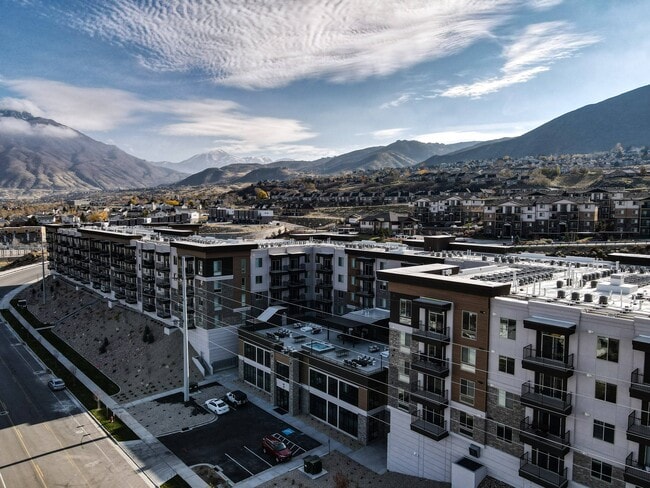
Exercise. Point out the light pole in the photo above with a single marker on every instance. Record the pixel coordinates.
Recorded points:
(43, 267)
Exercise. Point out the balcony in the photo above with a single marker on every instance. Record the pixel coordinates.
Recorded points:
(556, 444)
(538, 396)
(297, 283)
(324, 268)
(297, 267)
(431, 336)
(636, 473)
(281, 285)
(279, 269)
(535, 360)
(366, 293)
(433, 430)
(148, 278)
(638, 387)
(638, 429)
(324, 284)
(162, 283)
(431, 366)
(436, 398)
(162, 266)
(541, 476)
(148, 263)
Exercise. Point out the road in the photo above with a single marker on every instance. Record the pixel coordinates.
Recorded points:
(11, 279)
(46, 438)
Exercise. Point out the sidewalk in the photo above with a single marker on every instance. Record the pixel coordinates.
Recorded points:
(156, 463)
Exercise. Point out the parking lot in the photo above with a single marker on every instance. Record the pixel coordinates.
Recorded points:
(233, 442)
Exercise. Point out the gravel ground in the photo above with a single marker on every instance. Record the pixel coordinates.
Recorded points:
(83, 319)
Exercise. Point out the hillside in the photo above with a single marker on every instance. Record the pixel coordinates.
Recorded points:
(623, 119)
(38, 153)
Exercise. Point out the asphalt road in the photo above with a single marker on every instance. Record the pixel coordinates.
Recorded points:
(11, 279)
(46, 440)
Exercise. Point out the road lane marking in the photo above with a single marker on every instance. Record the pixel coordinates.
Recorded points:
(260, 457)
(242, 467)
(3, 481)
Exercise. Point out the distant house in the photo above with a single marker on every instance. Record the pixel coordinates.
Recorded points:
(391, 223)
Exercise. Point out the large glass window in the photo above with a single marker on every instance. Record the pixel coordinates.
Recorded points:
(317, 380)
(468, 359)
(466, 424)
(469, 325)
(606, 391)
(504, 433)
(404, 311)
(349, 393)
(508, 328)
(348, 421)
(604, 431)
(506, 399)
(601, 470)
(507, 365)
(216, 267)
(607, 349)
(317, 407)
(467, 390)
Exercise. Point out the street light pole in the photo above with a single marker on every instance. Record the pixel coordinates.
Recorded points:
(43, 267)
(186, 347)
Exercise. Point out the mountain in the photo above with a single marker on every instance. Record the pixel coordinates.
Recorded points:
(216, 176)
(212, 159)
(598, 127)
(41, 154)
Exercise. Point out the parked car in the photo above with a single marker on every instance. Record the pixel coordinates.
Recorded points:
(276, 448)
(56, 384)
(237, 397)
(217, 406)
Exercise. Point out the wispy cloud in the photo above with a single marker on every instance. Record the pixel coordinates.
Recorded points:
(89, 109)
(532, 52)
(396, 102)
(102, 109)
(268, 43)
(24, 128)
(389, 133)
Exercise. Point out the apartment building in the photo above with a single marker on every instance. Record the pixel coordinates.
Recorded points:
(533, 370)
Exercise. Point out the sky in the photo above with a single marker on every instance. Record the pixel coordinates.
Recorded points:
(303, 79)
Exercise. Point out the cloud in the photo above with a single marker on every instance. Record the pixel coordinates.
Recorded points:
(400, 100)
(532, 52)
(19, 105)
(389, 133)
(484, 132)
(24, 128)
(103, 109)
(86, 109)
(227, 120)
(268, 43)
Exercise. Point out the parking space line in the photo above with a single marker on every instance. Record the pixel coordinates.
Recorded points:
(259, 457)
(288, 443)
(242, 467)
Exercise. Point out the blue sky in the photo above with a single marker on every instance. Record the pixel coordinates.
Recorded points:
(303, 79)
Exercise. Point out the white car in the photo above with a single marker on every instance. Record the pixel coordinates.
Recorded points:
(56, 384)
(217, 406)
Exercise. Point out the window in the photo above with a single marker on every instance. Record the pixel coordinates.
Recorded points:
(340, 278)
(259, 262)
(468, 359)
(506, 399)
(404, 311)
(601, 470)
(403, 399)
(405, 342)
(349, 393)
(340, 260)
(607, 349)
(507, 365)
(317, 380)
(348, 421)
(604, 431)
(504, 433)
(332, 386)
(243, 265)
(317, 407)
(259, 280)
(508, 328)
(467, 391)
(466, 424)
(404, 371)
(216, 268)
(605, 391)
(469, 325)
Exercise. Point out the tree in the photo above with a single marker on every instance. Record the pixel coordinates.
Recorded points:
(261, 194)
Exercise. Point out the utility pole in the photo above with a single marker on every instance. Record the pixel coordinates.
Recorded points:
(186, 347)
(43, 267)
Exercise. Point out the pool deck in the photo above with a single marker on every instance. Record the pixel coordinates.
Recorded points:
(361, 355)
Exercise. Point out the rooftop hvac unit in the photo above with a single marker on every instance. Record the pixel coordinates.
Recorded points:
(561, 294)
